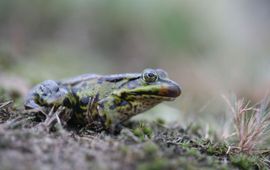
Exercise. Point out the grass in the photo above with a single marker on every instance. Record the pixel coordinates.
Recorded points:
(251, 124)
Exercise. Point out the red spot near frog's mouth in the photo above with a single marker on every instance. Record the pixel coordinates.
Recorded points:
(170, 91)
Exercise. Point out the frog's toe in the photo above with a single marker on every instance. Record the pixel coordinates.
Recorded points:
(30, 104)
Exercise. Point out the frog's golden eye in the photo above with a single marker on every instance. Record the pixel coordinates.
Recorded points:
(149, 75)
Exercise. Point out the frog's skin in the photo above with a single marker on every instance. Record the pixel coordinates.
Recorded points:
(109, 99)
(45, 94)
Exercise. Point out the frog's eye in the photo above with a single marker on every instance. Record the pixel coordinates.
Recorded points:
(149, 75)
(162, 73)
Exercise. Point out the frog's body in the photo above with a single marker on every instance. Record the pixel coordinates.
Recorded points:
(113, 98)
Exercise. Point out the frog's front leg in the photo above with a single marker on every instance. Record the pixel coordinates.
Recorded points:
(45, 94)
(114, 110)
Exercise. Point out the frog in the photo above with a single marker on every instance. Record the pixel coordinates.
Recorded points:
(107, 99)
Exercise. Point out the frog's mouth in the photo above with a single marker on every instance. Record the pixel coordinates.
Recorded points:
(168, 92)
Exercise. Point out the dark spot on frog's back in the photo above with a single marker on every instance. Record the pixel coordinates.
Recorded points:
(123, 103)
(84, 101)
(67, 102)
(114, 79)
(74, 91)
(112, 107)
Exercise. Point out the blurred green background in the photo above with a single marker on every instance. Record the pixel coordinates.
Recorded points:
(209, 47)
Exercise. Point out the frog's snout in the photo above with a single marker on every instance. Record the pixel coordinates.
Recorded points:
(172, 90)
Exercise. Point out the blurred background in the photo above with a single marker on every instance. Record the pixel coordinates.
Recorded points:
(209, 47)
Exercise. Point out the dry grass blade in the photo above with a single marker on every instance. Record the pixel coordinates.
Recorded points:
(34, 111)
(251, 123)
(5, 104)
(53, 117)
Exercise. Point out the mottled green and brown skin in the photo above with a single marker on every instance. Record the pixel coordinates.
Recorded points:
(110, 99)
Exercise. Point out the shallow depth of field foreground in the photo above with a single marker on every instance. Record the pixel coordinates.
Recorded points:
(218, 53)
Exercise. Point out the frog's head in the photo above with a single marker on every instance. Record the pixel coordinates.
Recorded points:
(50, 93)
(145, 90)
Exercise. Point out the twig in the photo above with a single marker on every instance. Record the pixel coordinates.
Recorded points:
(6, 104)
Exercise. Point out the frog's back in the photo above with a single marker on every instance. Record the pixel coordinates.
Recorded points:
(78, 79)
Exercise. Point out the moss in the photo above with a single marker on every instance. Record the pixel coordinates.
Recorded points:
(142, 130)
(157, 164)
(138, 132)
(160, 121)
(147, 131)
(192, 152)
(185, 145)
(216, 149)
(150, 148)
(244, 161)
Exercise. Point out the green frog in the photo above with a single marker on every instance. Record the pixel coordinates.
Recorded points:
(107, 99)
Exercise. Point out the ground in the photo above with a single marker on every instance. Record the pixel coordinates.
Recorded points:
(33, 141)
